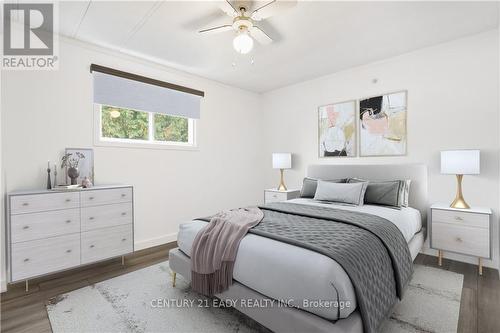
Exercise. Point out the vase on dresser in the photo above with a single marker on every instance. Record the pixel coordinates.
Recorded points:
(73, 174)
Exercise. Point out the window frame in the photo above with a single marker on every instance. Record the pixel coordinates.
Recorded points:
(151, 143)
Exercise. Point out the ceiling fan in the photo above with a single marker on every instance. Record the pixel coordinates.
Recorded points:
(245, 14)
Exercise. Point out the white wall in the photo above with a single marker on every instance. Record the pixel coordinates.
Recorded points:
(452, 103)
(45, 112)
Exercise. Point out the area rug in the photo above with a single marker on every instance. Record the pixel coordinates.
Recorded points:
(145, 301)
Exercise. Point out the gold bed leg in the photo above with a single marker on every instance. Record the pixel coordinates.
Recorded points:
(26, 285)
(440, 258)
(174, 275)
(123, 260)
(480, 264)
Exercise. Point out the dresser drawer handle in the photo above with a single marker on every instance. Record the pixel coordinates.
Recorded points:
(124, 239)
(25, 204)
(123, 214)
(458, 239)
(26, 227)
(91, 218)
(27, 259)
(458, 218)
(275, 196)
(68, 251)
(123, 195)
(91, 198)
(68, 200)
(92, 246)
(68, 221)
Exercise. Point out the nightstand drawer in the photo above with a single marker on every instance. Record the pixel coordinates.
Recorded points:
(461, 218)
(461, 239)
(275, 196)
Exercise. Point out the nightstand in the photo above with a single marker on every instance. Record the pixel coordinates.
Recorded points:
(463, 231)
(273, 195)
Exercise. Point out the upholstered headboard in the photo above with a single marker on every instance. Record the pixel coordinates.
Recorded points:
(416, 172)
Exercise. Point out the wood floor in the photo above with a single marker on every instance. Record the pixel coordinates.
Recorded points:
(25, 311)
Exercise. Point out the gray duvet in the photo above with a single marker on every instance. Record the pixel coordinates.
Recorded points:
(371, 250)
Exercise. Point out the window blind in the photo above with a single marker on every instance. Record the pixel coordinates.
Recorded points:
(126, 90)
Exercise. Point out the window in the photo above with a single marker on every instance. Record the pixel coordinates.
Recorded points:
(132, 126)
(135, 110)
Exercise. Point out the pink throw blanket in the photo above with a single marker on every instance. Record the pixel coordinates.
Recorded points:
(215, 247)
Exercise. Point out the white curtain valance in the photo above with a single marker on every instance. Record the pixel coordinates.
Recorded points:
(133, 94)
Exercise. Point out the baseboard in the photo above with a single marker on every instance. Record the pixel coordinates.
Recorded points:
(146, 243)
(3, 285)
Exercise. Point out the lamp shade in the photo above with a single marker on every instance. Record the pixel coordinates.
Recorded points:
(282, 160)
(460, 162)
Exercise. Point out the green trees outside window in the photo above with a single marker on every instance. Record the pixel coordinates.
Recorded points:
(120, 123)
(170, 128)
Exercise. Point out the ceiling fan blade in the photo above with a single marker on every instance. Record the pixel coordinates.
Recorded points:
(227, 7)
(272, 8)
(218, 29)
(260, 36)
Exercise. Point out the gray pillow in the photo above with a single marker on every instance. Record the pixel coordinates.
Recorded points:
(385, 193)
(406, 192)
(309, 186)
(341, 192)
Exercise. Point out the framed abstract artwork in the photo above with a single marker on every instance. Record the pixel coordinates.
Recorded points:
(382, 125)
(337, 129)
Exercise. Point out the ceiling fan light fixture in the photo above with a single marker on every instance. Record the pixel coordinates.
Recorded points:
(243, 43)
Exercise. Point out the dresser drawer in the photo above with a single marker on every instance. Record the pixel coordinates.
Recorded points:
(104, 197)
(106, 216)
(43, 256)
(270, 196)
(43, 202)
(106, 243)
(26, 227)
(461, 239)
(461, 218)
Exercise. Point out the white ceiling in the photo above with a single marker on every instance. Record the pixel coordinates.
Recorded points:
(311, 39)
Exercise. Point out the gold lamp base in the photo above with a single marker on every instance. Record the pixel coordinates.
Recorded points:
(282, 186)
(459, 201)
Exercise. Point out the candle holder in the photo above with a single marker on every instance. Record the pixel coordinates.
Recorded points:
(49, 183)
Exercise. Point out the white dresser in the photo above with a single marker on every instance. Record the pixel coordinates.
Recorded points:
(49, 231)
(464, 231)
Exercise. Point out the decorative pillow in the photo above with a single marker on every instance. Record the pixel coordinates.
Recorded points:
(341, 192)
(309, 186)
(385, 193)
(406, 192)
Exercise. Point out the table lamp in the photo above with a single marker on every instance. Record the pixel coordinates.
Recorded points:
(460, 163)
(282, 161)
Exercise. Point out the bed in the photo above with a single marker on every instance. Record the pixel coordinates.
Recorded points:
(306, 281)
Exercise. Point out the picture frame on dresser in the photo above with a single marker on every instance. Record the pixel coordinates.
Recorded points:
(85, 167)
(52, 231)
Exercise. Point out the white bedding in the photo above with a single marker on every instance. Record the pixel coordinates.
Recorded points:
(287, 272)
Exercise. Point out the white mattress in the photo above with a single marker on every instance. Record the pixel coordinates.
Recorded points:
(286, 272)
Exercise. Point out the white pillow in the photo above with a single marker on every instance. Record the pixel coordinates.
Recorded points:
(351, 193)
